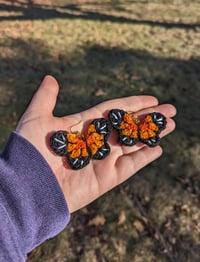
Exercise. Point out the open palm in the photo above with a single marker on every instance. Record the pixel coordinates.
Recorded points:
(80, 187)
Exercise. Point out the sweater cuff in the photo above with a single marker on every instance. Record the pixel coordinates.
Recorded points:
(33, 198)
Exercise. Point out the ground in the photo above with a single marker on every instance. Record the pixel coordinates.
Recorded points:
(100, 50)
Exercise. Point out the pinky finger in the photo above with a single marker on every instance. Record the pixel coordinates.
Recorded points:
(128, 165)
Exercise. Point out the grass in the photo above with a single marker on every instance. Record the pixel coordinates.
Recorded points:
(100, 50)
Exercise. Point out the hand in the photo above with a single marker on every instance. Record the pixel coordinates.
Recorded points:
(83, 186)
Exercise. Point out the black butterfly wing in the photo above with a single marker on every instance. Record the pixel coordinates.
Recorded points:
(116, 116)
(78, 162)
(58, 143)
(160, 120)
(125, 125)
(73, 147)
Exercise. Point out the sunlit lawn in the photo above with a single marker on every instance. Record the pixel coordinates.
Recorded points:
(100, 50)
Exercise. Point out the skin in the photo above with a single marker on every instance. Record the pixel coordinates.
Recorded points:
(83, 186)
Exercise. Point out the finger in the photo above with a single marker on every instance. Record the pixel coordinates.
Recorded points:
(132, 103)
(129, 164)
(166, 109)
(44, 100)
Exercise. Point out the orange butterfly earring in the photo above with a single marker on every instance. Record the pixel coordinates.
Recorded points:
(131, 129)
(79, 148)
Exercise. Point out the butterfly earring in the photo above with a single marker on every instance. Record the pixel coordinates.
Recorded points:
(131, 129)
(80, 148)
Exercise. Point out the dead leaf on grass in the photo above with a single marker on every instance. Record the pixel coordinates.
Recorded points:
(100, 92)
(99, 220)
(139, 226)
(122, 217)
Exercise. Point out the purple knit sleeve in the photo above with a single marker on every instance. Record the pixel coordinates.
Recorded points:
(32, 205)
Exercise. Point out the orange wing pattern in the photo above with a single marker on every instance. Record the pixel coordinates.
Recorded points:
(97, 136)
(80, 148)
(131, 130)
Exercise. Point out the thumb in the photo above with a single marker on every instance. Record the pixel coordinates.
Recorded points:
(44, 100)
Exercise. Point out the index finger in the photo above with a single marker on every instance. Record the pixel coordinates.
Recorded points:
(131, 103)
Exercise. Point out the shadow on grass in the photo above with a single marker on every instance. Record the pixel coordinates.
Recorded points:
(33, 11)
(104, 73)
